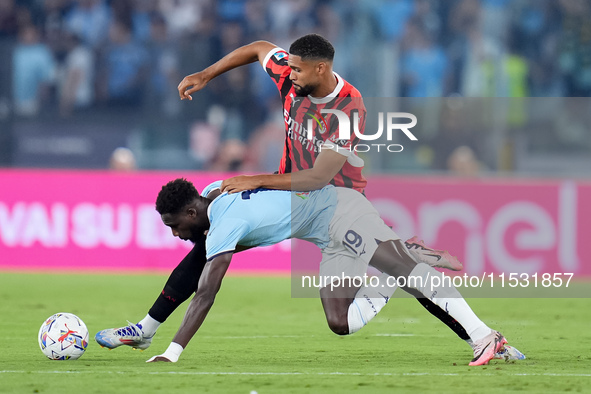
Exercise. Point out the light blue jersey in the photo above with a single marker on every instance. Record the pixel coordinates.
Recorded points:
(211, 187)
(265, 217)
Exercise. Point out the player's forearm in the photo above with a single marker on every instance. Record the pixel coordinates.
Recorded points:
(209, 285)
(304, 180)
(194, 317)
(239, 57)
(307, 180)
(327, 165)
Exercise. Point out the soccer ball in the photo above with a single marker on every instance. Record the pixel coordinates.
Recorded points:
(63, 336)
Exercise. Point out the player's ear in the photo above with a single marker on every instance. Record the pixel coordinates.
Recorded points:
(321, 68)
(192, 212)
(324, 67)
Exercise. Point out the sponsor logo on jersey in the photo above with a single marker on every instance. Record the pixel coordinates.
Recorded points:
(280, 55)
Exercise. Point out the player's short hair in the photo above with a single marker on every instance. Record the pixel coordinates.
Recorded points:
(175, 195)
(312, 47)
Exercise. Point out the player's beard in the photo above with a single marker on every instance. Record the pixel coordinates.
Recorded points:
(303, 91)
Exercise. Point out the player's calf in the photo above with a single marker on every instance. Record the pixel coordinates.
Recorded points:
(346, 315)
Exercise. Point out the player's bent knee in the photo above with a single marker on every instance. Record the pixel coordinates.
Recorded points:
(338, 325)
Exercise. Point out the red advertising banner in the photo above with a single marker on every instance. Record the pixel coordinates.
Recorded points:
(518, 226)
(100, 221)
(104, 221)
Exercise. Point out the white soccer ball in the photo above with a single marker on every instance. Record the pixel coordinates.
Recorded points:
(63, 336)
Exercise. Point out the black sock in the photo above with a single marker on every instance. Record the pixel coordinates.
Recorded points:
(439, 313)
(183, 282)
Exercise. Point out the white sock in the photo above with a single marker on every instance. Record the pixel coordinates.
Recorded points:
(149, 325)
(368, 301)
(447, 297)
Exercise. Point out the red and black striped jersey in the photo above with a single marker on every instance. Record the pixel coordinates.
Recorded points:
(302, 146)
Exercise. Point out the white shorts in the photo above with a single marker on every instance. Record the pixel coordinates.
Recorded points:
(355, 232)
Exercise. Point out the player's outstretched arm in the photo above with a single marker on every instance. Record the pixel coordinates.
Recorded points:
(244, 55)
(327, 165)
(209, 285)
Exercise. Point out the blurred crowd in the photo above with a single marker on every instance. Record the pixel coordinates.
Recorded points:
(69, 57)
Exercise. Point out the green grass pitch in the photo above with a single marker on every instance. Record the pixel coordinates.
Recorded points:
(257, 338)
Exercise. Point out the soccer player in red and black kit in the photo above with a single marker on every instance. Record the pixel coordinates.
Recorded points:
(307, 85)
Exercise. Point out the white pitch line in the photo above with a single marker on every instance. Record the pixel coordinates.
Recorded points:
(304, 373)
(395, 335)
(253, 336)
(289, 336)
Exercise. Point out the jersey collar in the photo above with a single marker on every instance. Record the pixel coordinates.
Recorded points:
(209, 207)
(333, 94)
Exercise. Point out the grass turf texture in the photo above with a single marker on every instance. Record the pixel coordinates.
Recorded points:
(257, 338)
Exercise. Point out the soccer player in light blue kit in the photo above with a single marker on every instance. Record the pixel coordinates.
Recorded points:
(340, 221)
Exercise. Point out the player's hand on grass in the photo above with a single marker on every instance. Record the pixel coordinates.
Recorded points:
(240, 183)
(171, 355)
(192, 83)
(161, 358)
